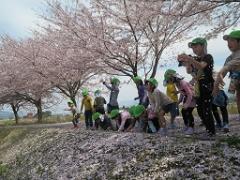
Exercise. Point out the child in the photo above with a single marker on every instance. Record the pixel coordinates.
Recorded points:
(153, 124)
(99, 102)
(103, 121)
(123, 120)
(232, 65)
(75, 113)
(140, 119)
(171, 91)
(87, 104)
(113, 102)
(161, 104)
(142, 93)
(187, 98)
(203, 65)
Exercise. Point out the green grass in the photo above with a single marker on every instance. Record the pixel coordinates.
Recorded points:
(4, 133)
(46, 120)
(56, 119)
(232, 141)
(7, 122)
(4, 169)
(12, 136)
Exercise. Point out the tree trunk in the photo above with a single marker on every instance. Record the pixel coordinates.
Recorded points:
(38, 104)
(154, 71)
(14, 109)
(72, 97)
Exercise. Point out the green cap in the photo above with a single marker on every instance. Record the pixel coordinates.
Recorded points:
(168, 74)
(96, 115)
(97, 92)
(85, 92)
(153, 82)
(114, 113)
(115, 80)
(196, 41)
(232, 35)
(131, 110)
(70, 102)
(138, 110)
(136, 79)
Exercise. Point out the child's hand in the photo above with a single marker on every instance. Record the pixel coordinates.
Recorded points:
(184, 58)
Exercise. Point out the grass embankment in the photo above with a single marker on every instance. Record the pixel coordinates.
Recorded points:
(8, 139)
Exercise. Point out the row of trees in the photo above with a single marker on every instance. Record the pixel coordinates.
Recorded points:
(77, 44)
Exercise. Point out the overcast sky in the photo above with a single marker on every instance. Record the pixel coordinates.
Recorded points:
(17, 17)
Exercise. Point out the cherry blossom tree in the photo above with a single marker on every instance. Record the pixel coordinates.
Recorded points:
(19, 70)
(73, 64)
(130, 36)
(66, 65)
(136, 33)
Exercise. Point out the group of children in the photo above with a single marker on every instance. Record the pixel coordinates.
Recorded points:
(204, 92)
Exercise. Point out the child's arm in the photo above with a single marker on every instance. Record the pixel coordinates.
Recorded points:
(107, 86)
(131, 126)
(81, 106)
(189, 93)
(157, 97)
(124, 118)
(180, 99)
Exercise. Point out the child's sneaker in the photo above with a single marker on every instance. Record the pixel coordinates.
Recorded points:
(185, 128)
(207, 136)
(189, 131)
(226, 128)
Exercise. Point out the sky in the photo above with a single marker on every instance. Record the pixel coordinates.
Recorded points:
(18, 17)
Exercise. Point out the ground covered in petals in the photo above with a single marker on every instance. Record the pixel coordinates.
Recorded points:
(64, 153)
